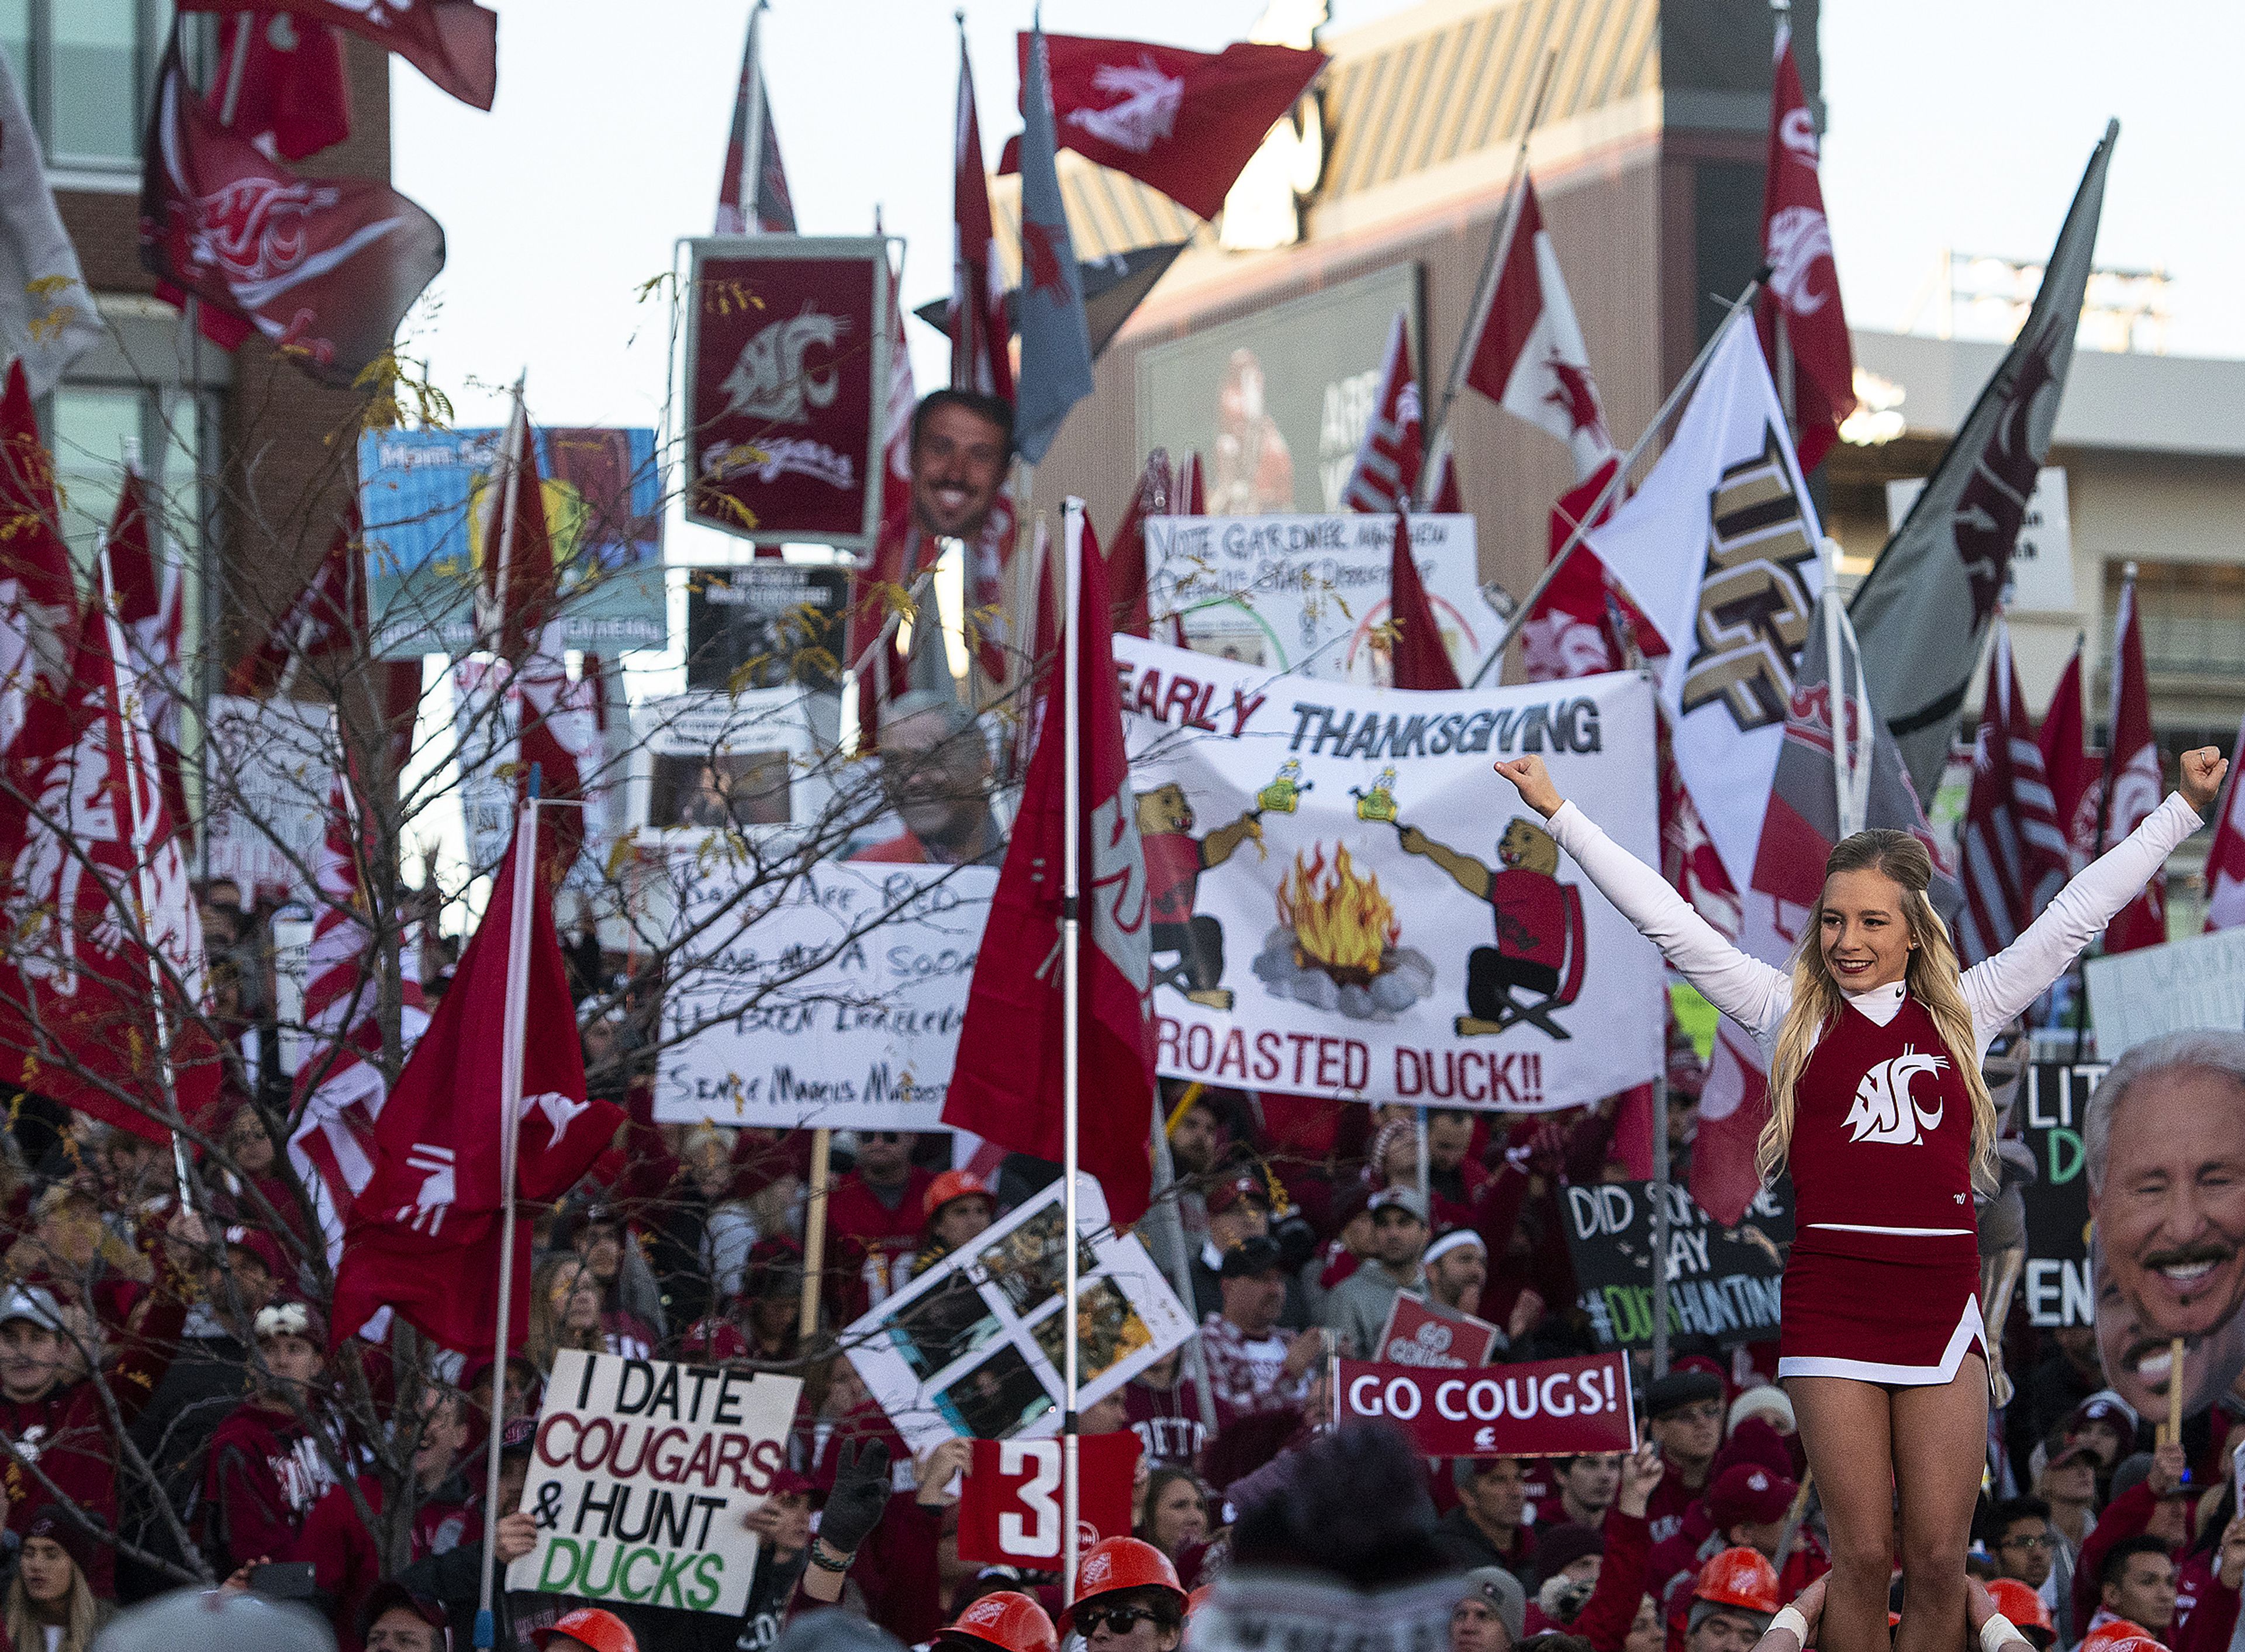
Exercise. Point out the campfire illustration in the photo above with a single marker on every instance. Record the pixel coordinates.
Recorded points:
(1335, 943)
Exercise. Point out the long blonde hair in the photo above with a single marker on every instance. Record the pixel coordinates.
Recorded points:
(82, 1617)
(1931, 976)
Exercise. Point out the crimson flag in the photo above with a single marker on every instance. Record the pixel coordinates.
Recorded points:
(106, 957)
(772, 212)
(976, 314)
(148, 590)
(324, 614)
(1444, 492)
(1006, 1083)
(2225, 860)
(1571, 630)
(38, 598)
(1392, 451)
(1804, 281)
(2134, 765)
(1528, 355)
(294, 98)
(1185, 123)
(1156, 495)
(325, 268)
(2066, 763)
(882, 673)
(1420, 659)
(423, 1233)
(2011, 852)
(454, 43)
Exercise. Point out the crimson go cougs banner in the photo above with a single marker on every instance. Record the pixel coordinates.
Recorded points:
(1344, 900)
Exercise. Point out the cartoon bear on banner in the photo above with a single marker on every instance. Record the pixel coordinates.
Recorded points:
(1175, 860)
(1539, 930)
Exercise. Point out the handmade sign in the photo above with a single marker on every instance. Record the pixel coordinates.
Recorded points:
(832, 1001)
(642, 1475)
(1542, 1408)
(974, 1345)
(1416, 1335)
(1343, 900)
(1723, 1282)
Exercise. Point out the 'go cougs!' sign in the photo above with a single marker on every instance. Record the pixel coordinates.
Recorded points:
(641, 1479)
(1541, 1408)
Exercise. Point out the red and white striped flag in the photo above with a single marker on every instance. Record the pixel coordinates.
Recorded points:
(2134, 765)
(1390, 455)
(2011, 853)
(2225, 860)
(1529, 356)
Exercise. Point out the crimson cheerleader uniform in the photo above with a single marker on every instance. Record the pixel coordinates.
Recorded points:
(1884, 1281)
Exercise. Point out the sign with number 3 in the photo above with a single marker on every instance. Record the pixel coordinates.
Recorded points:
(1009, 1508)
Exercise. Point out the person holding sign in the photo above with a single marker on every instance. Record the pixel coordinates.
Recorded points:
(1877, 1105)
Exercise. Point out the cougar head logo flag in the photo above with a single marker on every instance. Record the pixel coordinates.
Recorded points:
(1883, 1111)
(1148, 113)
(771, 381)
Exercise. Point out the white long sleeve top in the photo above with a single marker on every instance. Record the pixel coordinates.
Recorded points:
(1756, 996)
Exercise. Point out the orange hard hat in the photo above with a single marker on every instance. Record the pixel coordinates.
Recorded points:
(1118, 1563)
(1005, 1619)
(2117, 1636)
(602, 1631)
(1738, 1577)
(951, 1184)
(2139, 1641)
(2020, 1604)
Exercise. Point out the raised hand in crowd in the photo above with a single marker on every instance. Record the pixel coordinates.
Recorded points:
(2198, 777)
(1304, 1352)
(937, 1468)
(516, 1536)
(1525, 1312)
(1641, 1473)
(2170, 1470)
(853, 1509)
(1534, 782)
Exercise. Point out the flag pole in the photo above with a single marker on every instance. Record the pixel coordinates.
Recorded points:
(518, 434)
(1676, 399)
(2104, 797)
(752, 137)
(128, 715)
(1500, 242)
(1071, 938)
(512, 1034)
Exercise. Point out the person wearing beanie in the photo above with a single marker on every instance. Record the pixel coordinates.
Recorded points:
(274, 1455)
(1490, 1616)
(1457, 1267)
(51, 1606)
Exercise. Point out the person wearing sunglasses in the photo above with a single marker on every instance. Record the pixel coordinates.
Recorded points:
(1127, 1599)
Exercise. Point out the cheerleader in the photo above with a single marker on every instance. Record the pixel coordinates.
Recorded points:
(1872, 1042)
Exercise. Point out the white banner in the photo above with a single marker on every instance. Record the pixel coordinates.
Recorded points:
(642, 1476)
(974, 1345)
(831, 1000)
(2180, 987)
(275, 765)
(1719, 549)
(719, 760)
(1307, 594)
(1346, 902)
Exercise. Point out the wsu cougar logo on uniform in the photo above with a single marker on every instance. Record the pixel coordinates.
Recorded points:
(1884, 1110)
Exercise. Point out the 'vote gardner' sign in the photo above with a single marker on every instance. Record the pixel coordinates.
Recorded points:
(642, 1477)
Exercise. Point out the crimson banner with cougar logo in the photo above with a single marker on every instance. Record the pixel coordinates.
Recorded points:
(787, 350)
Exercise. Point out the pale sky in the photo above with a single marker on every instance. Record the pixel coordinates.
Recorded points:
(1952, 124)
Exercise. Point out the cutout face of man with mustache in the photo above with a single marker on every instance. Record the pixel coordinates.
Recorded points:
(2138, 1366)
(2169, 1204)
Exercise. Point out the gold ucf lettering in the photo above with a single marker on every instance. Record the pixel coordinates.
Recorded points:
(1753, 602)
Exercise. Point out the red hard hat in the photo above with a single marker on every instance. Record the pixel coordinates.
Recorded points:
(951, 1184)
(602, 1631)
(2020, 1604)
(2117, 1636)
(1738, 1577)
(2139, 1642)
(1118, 1563)
(1006, 1620)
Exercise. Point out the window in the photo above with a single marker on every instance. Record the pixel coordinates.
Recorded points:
(94, 430)
(2192, 615)
(85, 68)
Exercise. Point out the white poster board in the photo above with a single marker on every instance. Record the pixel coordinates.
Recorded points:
(641, 1477)
(2040, 579)
(2181, 986)
(833, 999)
(719, 760)
(1344, 901)
(974, 1346)
(1307, 594)
(274, 770)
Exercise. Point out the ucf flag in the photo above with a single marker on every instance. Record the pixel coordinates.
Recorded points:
(1718, 550)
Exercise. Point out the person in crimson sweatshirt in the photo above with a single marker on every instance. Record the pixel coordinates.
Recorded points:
(346, 1564)
(59, 1421)
(274, 1455)
(874, 1215)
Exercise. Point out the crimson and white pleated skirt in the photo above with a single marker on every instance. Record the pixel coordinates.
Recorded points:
(1890, 1309)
